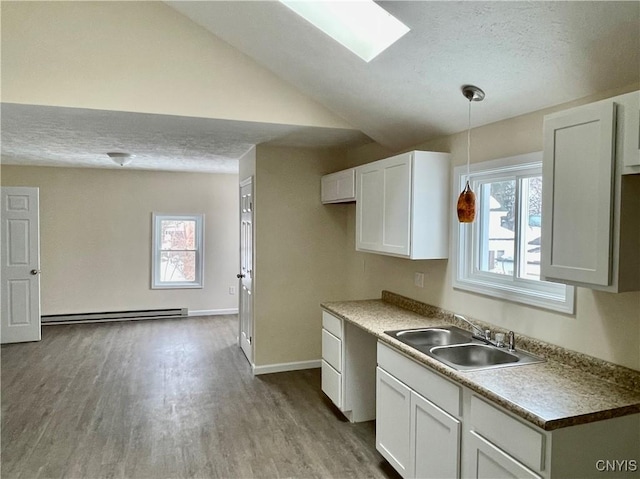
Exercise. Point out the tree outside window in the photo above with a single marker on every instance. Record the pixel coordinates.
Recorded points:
(499, 254)
(178, 251)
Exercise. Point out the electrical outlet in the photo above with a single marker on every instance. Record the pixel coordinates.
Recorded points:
(232, 290)
(418, 280)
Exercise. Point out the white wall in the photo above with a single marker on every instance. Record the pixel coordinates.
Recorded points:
(95, 230)
(605, 325)
(301, 247)
(139, 57)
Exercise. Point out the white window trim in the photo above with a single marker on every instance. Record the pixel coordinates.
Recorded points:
(542, 294)
(157, 218)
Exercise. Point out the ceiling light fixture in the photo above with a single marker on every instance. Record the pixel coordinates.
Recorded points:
(123, 159)
(361, 26)
(467, 200)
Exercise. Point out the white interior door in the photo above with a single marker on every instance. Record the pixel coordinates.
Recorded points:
(246, 268)
(20, 320)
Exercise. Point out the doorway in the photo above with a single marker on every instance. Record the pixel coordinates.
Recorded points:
(245, 276)
(20, 258)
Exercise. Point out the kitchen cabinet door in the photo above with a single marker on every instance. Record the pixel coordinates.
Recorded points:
(393, 416)
(384, 205)
(402, 206)
(578, 174)
(369, 208)
(339, 187)
(435, 441)
(591, 199)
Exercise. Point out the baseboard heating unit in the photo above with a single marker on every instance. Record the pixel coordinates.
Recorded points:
(114, 316)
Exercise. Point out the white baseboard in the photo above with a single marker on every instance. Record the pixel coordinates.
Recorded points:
(284, 367)
(213, 312)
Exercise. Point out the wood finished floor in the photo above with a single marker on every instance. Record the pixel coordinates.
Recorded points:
(168, 399)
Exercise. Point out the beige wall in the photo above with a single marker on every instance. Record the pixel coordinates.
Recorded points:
(139, 57)
(605, 325)
(95, 230)
(301, 248)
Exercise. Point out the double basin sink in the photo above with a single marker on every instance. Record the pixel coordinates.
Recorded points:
(461, 350)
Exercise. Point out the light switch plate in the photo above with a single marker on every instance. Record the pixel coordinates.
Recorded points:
(418, 280)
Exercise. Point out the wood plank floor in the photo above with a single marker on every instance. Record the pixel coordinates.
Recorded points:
(168, 399)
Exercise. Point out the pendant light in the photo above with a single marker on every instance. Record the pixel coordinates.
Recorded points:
(467, 200)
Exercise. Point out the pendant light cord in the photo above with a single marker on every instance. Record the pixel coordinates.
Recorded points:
(469, 142)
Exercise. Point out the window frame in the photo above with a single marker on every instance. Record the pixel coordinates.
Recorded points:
(465, 241)
(156, 283)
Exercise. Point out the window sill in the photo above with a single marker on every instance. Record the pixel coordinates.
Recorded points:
(177, 286)
(554, 302)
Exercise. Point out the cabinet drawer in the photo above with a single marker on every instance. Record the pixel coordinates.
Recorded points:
(332, 384)
(512, 436)
(332, 350)
(442, 392)
(489, 462)
(332, 324)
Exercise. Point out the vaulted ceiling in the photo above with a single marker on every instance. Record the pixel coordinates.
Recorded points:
(525, 55)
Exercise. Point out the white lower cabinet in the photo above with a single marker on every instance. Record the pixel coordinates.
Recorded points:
(349, 368)
(434, 440)
(393, 422)
(428, 426)
(416, 436)
(499, 445)
(490, 462)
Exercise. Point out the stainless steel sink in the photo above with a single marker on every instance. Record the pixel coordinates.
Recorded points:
(433, 336)
(461, 350)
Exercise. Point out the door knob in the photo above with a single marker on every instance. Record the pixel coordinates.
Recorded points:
(35, 271)
(239, 276)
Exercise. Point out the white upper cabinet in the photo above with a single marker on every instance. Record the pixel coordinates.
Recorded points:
(339, 187)
(629, 111)
(591, 229)
(402, 206)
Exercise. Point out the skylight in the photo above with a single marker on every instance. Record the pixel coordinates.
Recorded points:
(362, 26)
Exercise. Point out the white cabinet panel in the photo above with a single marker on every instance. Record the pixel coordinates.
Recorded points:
(578, 181)
(332, 383)
(523, 442)
(339, 187)
(348, 368)
(589, 211)
(369, 208)
(428, 383)
(402, 206)
(629, 112)
(395, 207)
(492, 463)
(416, 435)
(332, 350)
(332, 324)
(393, 416)
(435, 441)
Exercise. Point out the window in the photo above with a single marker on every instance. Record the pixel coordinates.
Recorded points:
(499, 253)
(178, 251)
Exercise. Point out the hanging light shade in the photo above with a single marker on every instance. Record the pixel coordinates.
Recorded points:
(466, 206)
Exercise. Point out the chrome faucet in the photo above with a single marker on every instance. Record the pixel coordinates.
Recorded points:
(511, 341)
(484, 334)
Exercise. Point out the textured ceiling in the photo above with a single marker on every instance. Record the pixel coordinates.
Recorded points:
(525, 55)
(54, 136)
